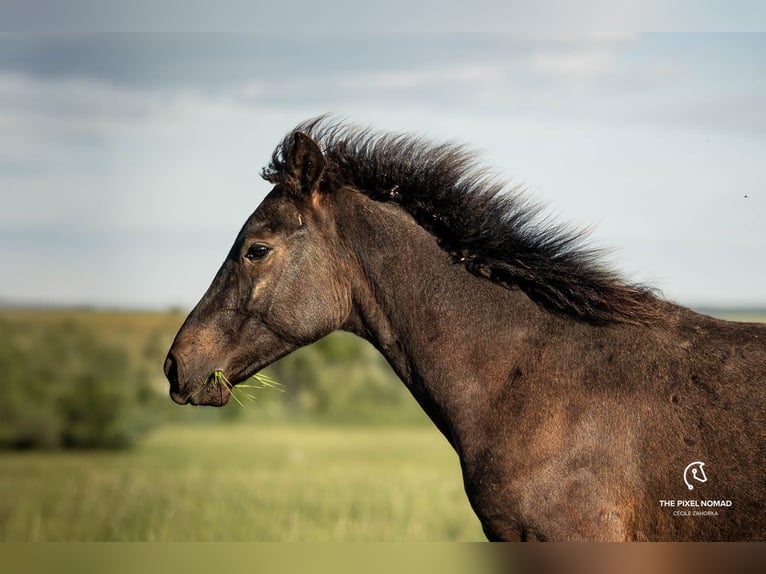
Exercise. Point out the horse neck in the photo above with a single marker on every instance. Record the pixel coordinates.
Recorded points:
(450, 336)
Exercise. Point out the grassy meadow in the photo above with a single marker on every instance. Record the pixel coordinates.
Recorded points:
(242, 482)
(345, 454)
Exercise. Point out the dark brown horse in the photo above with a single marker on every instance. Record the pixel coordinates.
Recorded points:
(581, 407)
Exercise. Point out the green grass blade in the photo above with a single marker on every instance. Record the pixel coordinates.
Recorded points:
(260, 381)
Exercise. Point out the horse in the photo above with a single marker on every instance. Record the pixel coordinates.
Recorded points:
(574, 399)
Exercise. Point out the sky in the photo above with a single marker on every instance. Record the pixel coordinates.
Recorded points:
(128, 162)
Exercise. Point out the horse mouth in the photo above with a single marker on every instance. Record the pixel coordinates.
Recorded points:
(209, 394)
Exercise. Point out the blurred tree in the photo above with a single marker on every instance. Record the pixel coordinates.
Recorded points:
(74, 379)
(343, 378)
(63, 388)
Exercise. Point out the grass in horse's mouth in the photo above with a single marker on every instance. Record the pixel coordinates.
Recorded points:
(260, 381)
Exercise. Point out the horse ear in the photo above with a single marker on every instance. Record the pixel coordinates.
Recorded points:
(305, 161)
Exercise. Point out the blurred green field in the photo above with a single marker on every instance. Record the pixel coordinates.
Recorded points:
(242, 482)
(340, 378)
(345, 454)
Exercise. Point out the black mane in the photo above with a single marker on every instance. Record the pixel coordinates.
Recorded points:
(490, 228)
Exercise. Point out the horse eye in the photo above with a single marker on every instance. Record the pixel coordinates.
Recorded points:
(257, 251)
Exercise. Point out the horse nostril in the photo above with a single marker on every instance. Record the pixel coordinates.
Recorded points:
(171, 372)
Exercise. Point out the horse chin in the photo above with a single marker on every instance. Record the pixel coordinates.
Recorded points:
(208, 396)
(217, 400)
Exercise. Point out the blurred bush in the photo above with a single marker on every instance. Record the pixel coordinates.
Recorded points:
(61, 387)
(342, 378)
(74, 378)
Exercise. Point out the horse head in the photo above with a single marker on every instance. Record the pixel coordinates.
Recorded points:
(280, 287)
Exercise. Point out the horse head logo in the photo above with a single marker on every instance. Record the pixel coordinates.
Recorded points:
(697, 473)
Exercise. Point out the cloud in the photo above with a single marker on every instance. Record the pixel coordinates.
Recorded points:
(133, 163)
(694, 81)
(579, 65)
(219, 63)
(499, 72)
(109, 193)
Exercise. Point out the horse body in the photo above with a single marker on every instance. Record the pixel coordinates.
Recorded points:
(570, 430)
(566, 428)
